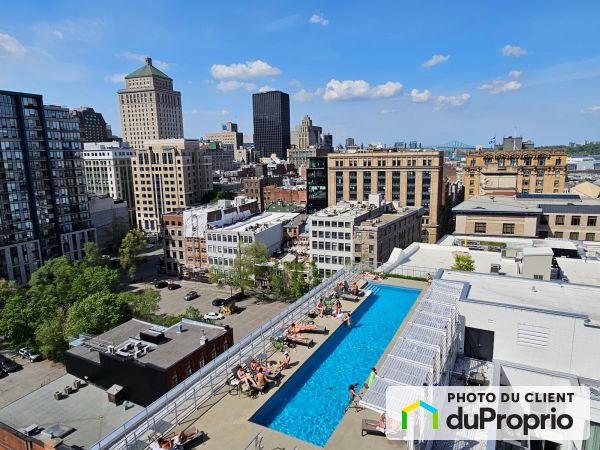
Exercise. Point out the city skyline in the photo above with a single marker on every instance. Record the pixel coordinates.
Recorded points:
(377, 72)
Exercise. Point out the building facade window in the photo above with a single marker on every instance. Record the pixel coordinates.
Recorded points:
(574, 235)
(575, 220)
(508, 228)
(480, 227)
(559, 220)
(590, 236)
(558, 235)
(591, 221)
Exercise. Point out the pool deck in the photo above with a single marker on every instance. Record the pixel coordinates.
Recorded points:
(226, 419)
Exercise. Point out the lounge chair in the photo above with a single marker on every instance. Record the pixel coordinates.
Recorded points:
(318, 329)
(192, 434)
(371, 427)
(299, 340)
(350, 297)
(272, 376)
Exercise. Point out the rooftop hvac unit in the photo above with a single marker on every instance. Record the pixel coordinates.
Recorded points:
(111, 349)
(495, 268)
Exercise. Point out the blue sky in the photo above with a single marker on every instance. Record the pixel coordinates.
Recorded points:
(379, 71)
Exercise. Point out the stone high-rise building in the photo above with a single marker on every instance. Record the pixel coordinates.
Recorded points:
(515, 167)
(44, 211)
(229, 136)
(92, 126)
(271, 123)
(412, 178)
(150, 108)
(306, 134)
(168, 175)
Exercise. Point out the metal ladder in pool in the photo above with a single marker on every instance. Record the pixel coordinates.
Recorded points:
(374, 288)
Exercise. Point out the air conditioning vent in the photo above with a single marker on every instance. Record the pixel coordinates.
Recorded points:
(532, 335)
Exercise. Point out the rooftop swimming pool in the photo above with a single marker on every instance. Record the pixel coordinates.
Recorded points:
(313, 401)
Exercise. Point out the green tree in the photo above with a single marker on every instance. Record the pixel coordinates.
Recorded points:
(315, 277)
(132, 245)
(50, 338)
(277, 283)
(297, 284)
(142, 305)
(92, 257)
(50, 286)
(96, 314)
(18, 319)
(464, 263)
(90, 280)
(7, 290)
(192, 314)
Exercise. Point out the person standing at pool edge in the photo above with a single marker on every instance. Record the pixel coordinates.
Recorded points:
(371, 378)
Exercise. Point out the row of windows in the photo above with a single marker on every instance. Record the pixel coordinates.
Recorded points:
(382, 162)
(507, 228)
(328, 259)
(575, 220)
(320, 245)
(331, 235)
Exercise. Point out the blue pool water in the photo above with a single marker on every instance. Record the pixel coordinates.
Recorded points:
(312, 403)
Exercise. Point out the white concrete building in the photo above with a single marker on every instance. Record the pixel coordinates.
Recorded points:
(108, 171)
(224, 243)
(110, 217)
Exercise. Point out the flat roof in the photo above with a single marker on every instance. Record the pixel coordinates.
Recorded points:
(548, 296)
(345, 210)
(87, 411)
(529, 204)
(264, 220)
(538, 251)
(431, 257)
(175, 346)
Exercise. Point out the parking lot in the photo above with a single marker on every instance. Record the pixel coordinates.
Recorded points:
(33, 375)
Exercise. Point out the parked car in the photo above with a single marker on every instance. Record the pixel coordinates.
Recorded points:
(30, 354)
(149, 246)
(171, 285)
(190, 296)
(213, 316)
(218, 302)
(159, 284)
(8, 365)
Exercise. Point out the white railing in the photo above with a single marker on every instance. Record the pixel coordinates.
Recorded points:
(255, 443)
(170, 409)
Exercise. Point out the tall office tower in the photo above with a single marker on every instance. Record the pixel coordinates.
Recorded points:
(327, 144)
(307, 134)
(349, 142)
(412, 178)
(43, 200)
(150, 108)
(92, 126)
(271, 123)
(108, 171)
(168, 175)
(228, 136)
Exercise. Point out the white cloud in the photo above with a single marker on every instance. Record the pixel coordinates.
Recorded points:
(233, 85)
(387, 111)
(451, 101)
(265, 88)
(249, 69)
(513, 50)
(59, 34)
(420, 97)
(10, 46)
(304, 96)
(435, 60)
(142, 58)
(295, 83)
(115, 78)
(359, 89)
(500, 86)
(515, 74)
(591, 109)
(318, 19)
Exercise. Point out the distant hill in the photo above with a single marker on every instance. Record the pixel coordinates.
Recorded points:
(578, 150)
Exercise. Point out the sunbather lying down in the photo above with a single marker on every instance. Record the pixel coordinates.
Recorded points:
(301, 327)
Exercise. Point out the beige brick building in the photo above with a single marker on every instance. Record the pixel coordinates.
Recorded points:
(561, 216)
(514, 167)
(150, 108)
(168, 175)
(229, 136)
(411, 178)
